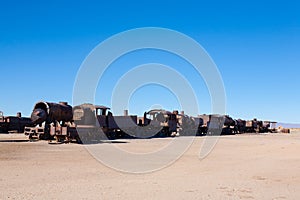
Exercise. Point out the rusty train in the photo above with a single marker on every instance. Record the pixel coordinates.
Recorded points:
(14, 124)
(87, 123)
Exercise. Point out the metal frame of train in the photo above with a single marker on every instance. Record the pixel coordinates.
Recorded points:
(88, 123)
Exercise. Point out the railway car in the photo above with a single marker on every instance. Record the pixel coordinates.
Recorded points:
(100, 117)
(188, 125)
(160, 123)
(215, 124)
(13, 124)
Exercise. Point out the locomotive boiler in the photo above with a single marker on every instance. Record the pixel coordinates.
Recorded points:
(51, 113)
(45, 115)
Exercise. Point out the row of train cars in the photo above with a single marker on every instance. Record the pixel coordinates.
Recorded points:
(89, 123)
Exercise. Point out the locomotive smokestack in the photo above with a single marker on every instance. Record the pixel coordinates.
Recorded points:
(182, 112)
(125, 112)
(19, 114)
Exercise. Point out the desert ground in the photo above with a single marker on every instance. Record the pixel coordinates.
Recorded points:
(249, 166)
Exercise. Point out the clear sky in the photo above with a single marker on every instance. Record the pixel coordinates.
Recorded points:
(255, 44)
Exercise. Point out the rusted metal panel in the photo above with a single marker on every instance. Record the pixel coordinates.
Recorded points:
(102, 120)
(249, 123)
(216, 122)
(115, 122)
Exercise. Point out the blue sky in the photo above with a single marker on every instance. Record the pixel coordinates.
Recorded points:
(256, 46)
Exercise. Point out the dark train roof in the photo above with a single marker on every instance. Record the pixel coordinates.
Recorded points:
(91, 106)
(159, 111)
(101, 107)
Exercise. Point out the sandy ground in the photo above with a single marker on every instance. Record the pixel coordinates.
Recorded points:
(239, 167)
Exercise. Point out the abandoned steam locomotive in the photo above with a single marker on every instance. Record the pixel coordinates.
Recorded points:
(13, 124)
(87, 122)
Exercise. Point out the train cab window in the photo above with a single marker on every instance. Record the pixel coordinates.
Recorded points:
(150, 117)
(100, 112)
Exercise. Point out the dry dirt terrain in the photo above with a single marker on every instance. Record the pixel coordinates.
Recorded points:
(265, 166)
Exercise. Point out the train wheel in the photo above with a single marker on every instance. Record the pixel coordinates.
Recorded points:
(111, 135)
